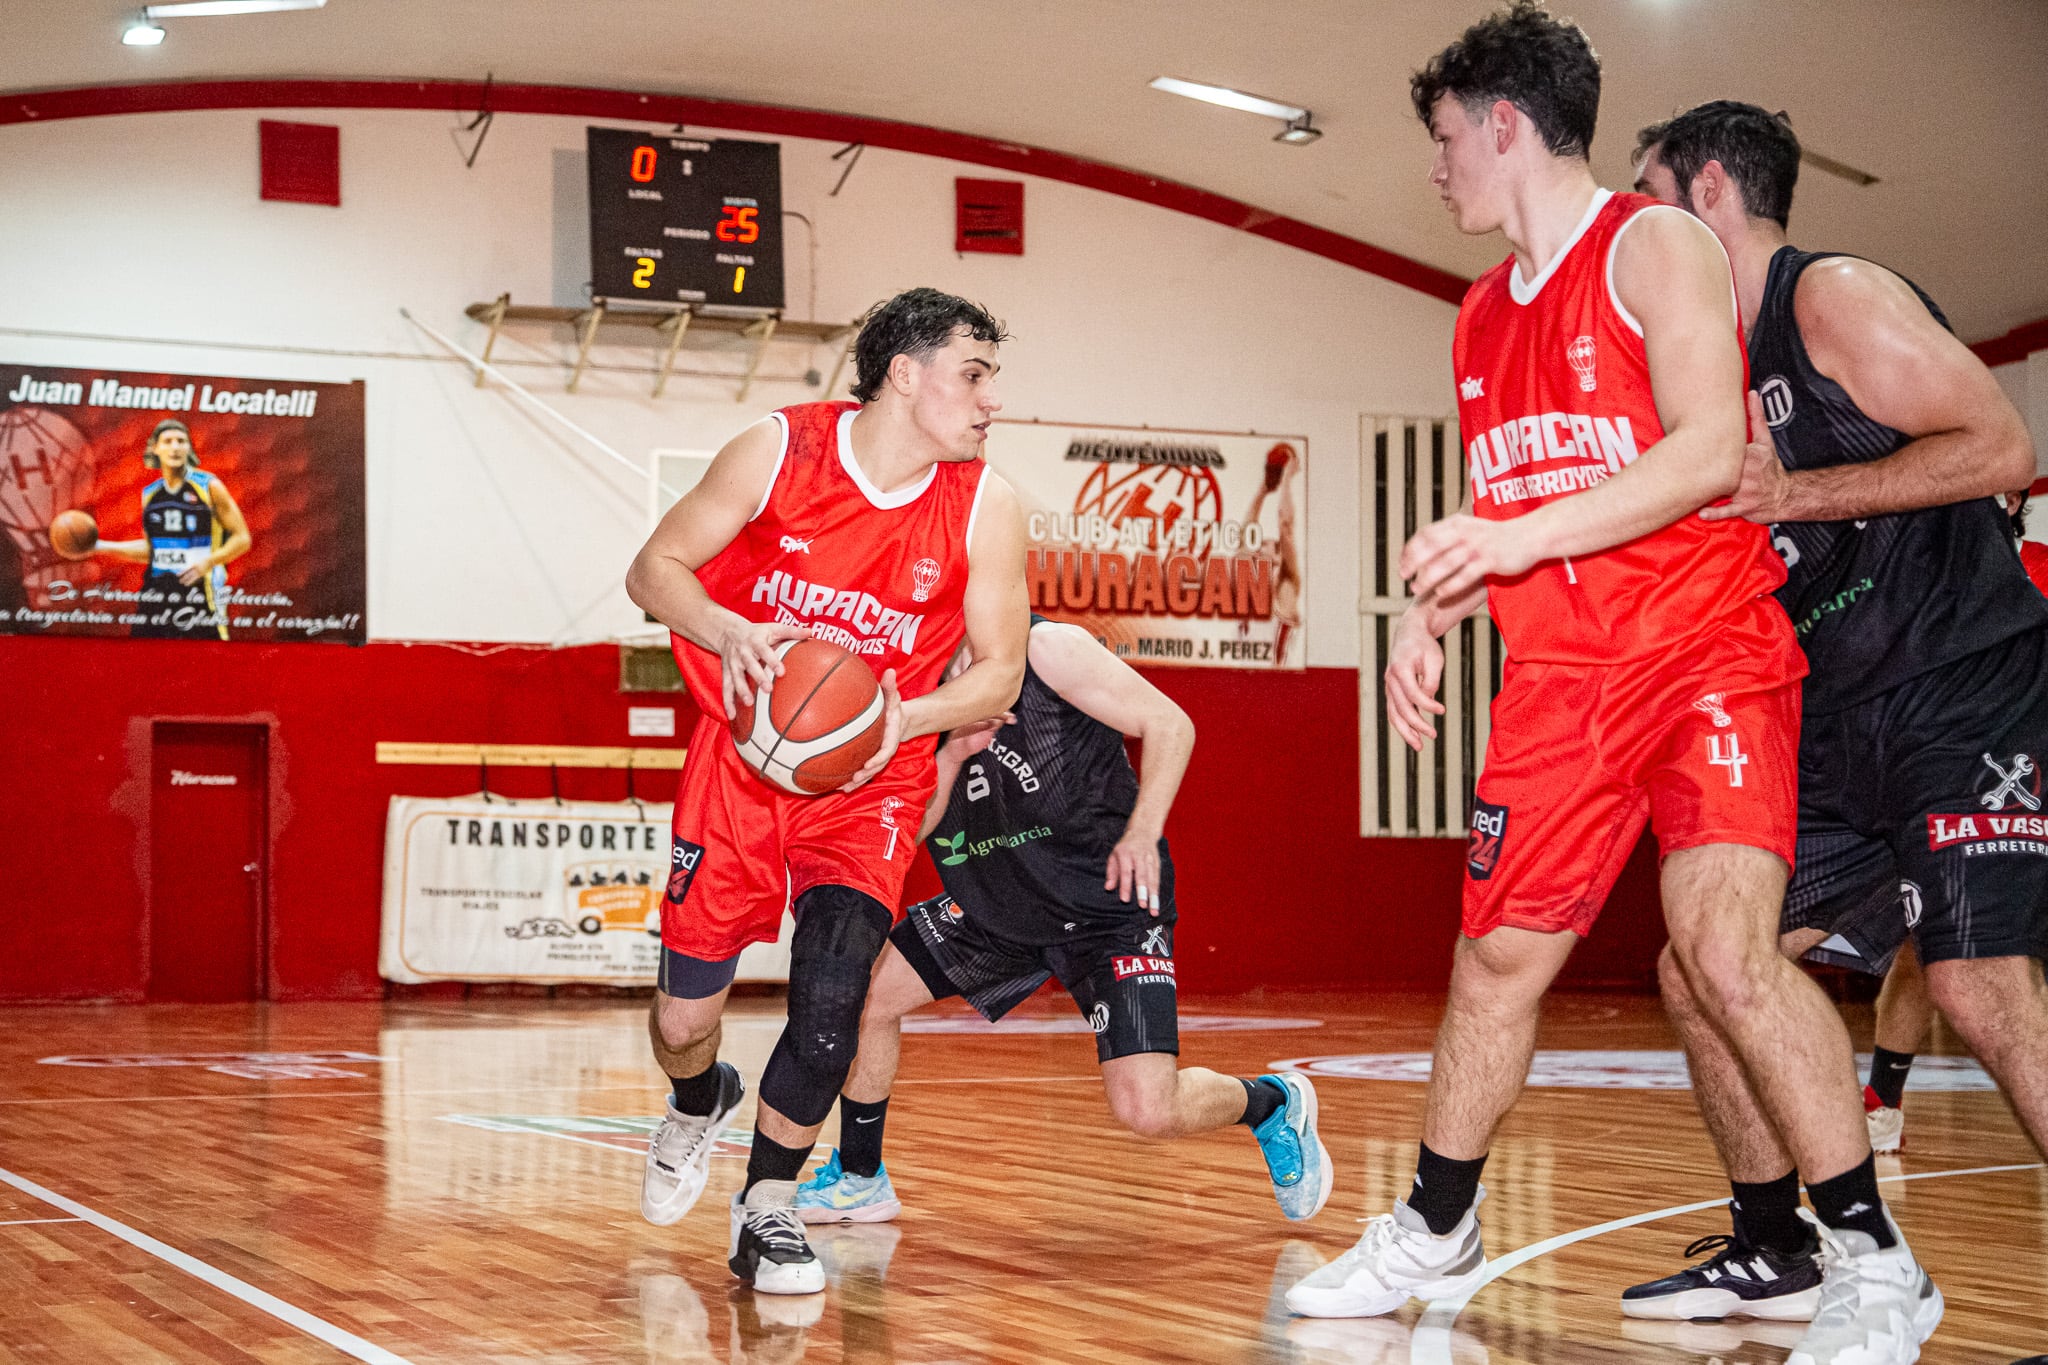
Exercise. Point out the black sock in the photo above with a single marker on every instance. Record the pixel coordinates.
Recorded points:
(1444, 1189)
(1888, 1075)
(1261, 1098)
(860, 1135)
(1850, 1200)
(770, 1160)
(698, 1094)
(1767, 1215)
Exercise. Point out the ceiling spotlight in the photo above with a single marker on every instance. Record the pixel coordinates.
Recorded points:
(1298, 132)
(142, 33)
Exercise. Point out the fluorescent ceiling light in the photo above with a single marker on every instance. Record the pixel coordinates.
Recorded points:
(196, 9)
(142, 33)
(1225, 96)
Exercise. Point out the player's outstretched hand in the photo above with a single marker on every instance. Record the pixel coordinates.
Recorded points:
(965, 741)
(1415, 665)
(1134, 867)
(1761, 495)
(892, 733)
(1453, 557)
(747, 659)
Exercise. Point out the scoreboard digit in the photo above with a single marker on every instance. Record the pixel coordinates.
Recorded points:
(685, 220)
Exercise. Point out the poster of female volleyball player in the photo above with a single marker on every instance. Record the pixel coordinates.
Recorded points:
(165, 506)
(1177, 548)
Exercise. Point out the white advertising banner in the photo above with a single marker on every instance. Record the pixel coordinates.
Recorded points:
(534, 891)
(1172, 547)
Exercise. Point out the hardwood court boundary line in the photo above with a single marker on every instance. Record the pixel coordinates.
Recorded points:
(269, 1096)
(318, 1328)
(1431, 1344)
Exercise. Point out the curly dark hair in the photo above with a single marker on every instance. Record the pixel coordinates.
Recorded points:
(916, 323)
(1757, 149)
(1543, 66)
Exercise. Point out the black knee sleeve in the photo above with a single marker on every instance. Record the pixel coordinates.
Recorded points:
(839, 934)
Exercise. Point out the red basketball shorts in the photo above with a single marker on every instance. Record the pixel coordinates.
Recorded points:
(743, 851)
(1701, 744)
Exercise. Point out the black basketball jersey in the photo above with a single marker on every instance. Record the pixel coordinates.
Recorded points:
(1032, 819)
(181, 526)
(1876, 601)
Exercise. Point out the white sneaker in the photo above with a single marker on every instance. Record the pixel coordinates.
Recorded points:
(679, 1157)
(768, 1249)
(1876, 1307)
(1397, 1258)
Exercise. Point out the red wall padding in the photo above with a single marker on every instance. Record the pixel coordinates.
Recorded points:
(1276, 888)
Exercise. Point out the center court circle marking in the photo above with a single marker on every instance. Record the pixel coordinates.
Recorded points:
(1431, 1344)
(1613, 1070)
(1061, 1023)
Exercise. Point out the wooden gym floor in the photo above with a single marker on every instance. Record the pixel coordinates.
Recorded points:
(459, 1182)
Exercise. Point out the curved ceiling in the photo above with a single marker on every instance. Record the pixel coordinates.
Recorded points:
(1946, 104)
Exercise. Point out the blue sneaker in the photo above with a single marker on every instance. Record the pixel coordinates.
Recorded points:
(1299, 1162)
(834, 1195)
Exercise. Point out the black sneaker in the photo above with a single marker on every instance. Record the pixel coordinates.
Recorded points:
(768, 1249)
(1739, 1281)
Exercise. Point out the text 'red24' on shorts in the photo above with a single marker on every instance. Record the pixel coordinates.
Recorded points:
(743, 851)
(1702, 744)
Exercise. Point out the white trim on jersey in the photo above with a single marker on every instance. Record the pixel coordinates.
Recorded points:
(975, 510)
(1526, 293)
(902, 497)
(1615, 241)
(776, 472)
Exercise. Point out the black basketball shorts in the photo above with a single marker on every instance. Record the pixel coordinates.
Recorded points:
(1122, 979)
(1923, 811)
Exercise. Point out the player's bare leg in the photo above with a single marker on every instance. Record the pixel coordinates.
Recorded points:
(1746, 1011)
(1905, 1016)
(1155, 1097)
(685, 1035)
(1999, 1006)
(853, 1185)
(1429, 1246)
(1721, 904)
(1488, 1036)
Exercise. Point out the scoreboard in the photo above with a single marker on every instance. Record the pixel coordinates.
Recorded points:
(678, 220)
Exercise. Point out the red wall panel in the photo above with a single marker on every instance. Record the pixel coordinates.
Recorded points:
(1276, 888)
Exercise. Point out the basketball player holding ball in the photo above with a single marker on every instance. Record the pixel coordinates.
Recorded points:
(192, 530)
(874, 525)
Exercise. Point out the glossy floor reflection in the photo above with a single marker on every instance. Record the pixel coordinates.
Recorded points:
(429, 1182)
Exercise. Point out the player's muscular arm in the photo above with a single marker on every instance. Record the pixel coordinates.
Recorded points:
(134, 551)
(1094, 681)
(663, 577)
(997, 609)
(229, 514)
(1672, 276)
(1867, 330)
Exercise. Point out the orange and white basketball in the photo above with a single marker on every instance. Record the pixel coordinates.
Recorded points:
(819, 722)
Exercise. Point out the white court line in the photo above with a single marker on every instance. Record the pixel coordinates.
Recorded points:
(24, 1222)
(346, 1342)
(1431, 1344)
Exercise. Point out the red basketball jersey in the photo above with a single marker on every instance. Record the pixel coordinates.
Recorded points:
(1553, 398)
(2034, 559)
(882, 574)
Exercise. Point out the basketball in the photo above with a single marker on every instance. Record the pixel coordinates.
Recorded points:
(817, 725)
(73, 534)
